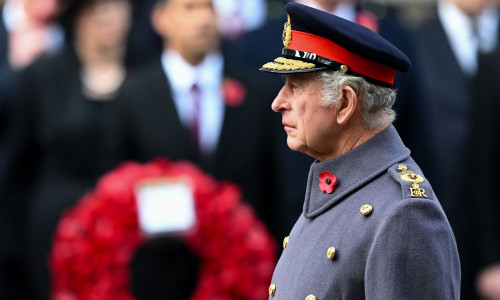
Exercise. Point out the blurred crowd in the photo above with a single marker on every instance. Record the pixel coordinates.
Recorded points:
(88, 84)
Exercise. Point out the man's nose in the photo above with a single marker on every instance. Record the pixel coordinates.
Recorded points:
(278, 104)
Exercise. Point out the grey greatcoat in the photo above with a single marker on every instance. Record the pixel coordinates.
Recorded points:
(403, 249)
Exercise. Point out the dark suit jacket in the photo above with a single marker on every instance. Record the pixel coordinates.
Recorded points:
(484, 160)
(249, 154)
(5, 83)
(6, 73)
(5, 70)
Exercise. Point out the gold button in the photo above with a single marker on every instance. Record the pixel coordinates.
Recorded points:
(285, 242)
(311, 297)
(272, 289)
(402, 167)
(344, 68)
(366, 209)
(331, 253)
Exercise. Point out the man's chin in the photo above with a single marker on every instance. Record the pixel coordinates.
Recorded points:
(204, 46)
(293, 145)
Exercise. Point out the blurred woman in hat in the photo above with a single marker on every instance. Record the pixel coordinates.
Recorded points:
(58, 121)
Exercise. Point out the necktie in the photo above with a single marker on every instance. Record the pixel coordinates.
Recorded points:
(196, 114)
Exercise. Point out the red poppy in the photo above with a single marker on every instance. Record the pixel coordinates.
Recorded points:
(367, 19)
(327, 182)
(234, 92)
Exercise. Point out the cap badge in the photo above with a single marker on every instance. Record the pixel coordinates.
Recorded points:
(287, 33)
(327, 182)
(415, 191)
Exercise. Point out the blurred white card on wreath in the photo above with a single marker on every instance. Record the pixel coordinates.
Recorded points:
(165, 206)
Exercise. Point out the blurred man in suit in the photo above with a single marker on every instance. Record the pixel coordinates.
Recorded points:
(191, 104)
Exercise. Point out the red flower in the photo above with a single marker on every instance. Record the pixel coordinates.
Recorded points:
(327, 182)
(367, 19)
(233, 91)
(96, 240)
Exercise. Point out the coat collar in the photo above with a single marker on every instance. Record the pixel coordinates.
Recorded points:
(353, 169)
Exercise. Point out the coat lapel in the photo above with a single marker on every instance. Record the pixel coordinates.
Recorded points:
(173, 130)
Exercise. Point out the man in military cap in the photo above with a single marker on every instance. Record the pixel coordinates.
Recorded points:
(372, 227)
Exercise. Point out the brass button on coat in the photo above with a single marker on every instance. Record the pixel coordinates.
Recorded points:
(272, 289)
(285, 242)
(331, 253)
(366, 209)
(311, 297)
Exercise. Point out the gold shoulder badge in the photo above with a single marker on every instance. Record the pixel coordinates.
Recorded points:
(412, 178)
(415, 191)
(287, 33)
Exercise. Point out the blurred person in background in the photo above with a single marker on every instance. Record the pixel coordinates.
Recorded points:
(27, 31)
(239, 16)
(437, 125)
(57, 119)
(192, 104)
(484, 161)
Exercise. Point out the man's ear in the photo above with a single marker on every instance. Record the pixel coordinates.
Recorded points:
(347, 105)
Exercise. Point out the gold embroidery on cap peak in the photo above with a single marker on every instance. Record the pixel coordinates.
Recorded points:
(282, 63)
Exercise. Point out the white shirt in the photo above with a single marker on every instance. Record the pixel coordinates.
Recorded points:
(208, 76)
(459, 29)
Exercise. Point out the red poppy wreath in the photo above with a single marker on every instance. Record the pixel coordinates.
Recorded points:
(96, 240)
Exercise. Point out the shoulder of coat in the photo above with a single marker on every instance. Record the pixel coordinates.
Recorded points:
(413, 184)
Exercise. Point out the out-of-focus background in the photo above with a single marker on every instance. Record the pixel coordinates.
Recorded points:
(88, 84)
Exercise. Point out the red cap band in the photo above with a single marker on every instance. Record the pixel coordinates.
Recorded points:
(307, 42)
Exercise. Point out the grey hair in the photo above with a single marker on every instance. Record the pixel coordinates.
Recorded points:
(377, 101)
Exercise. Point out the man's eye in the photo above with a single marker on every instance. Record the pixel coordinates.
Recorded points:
(290, 84)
